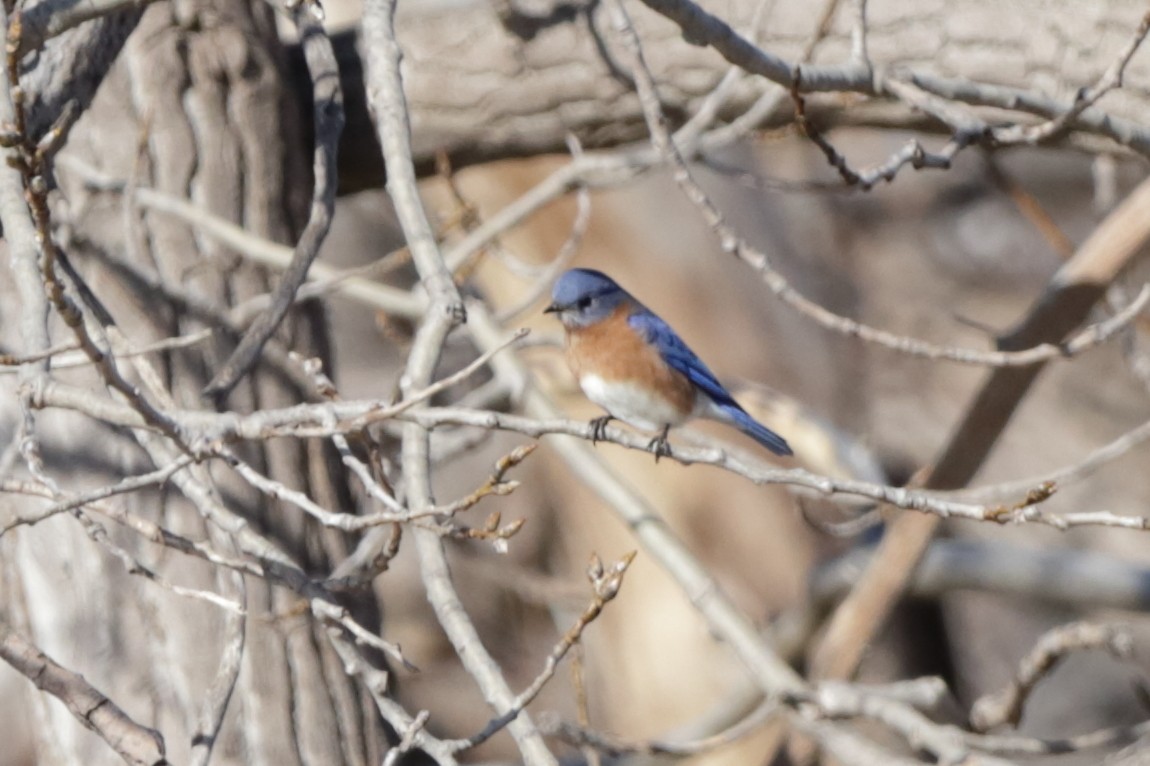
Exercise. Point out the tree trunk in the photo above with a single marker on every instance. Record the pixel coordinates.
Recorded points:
(196, 108)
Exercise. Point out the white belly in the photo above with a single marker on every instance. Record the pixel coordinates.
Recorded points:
(631, 404)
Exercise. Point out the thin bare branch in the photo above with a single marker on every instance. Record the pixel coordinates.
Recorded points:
(606, 584)
(257, 249)
(848, 701)
(214, 706)
(1083, 100)
(445, 311)
(133, 566)
(50, 18)
(1005, 706)
(376, 680)
(1018, 745)
(328, 119)
(407, 742)
(62, 358)
(128, 484)
(136, 744)
(567, 250)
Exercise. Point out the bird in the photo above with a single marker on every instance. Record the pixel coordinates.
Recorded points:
(631, 363)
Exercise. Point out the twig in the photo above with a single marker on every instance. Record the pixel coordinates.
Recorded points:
(606, 584)
(313, 367)
(709, 109)
(1006, 744)
(256, 249)
(24, 252)
(301, 500)
(62, 505)
(159, 535)
(349, 523)
(566, 252)
(133, 566)
(1005, 706)
(494, 484)
(338, 615)
(849, 702)
(409, 739)
(1124, 132)
(1083, 100)
(912, 152)
(328, 118)
(323, 282)
(375, 680)
(11, 360)
(702, 28)
(48, 19)
(765, 105)
(61, 359)
(214, 706)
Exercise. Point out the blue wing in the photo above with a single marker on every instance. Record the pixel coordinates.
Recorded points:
(682, 359)
(678, 355)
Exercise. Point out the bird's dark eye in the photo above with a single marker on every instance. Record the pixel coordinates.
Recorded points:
(584, 302)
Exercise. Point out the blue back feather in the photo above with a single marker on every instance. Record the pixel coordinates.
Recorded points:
(682, 359)
(677, 354)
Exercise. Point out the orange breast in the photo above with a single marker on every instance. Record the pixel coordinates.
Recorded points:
(613, 350)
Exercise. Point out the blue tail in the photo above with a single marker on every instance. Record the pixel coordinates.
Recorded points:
(757, 431)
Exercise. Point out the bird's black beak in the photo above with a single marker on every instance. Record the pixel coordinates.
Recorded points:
(554, 308)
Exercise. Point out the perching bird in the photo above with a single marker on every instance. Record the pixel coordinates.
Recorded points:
(632, 364)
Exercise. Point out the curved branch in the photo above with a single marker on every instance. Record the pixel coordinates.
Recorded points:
(136, 744)
(328, 122)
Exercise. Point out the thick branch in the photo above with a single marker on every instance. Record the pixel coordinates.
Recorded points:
(454, 53)
(138, 745)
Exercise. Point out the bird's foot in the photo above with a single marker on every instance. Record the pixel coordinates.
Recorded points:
(660, 446)
(598, 428)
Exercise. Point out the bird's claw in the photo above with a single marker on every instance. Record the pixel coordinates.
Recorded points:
(599, 428)
(660, 446)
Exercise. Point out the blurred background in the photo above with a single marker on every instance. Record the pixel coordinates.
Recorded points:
(945, 256)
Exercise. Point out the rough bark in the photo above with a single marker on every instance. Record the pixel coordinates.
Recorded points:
(196, 107)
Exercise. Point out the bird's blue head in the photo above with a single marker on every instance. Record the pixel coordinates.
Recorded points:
(582, 297)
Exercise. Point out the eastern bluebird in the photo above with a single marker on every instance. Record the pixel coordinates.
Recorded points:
(632, 364)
